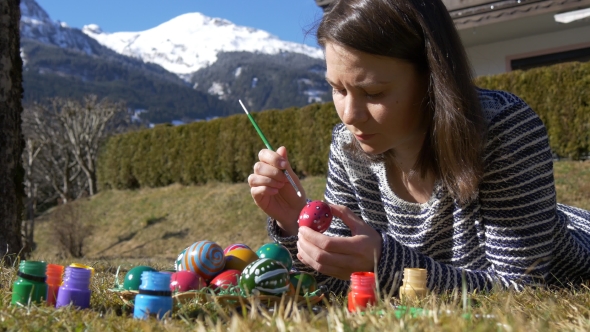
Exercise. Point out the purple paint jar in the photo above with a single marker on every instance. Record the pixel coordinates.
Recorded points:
(75, 289)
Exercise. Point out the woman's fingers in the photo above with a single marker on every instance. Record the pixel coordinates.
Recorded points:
(322, 256)
(342, 245)
(256, 180)
(340, 256)
(259, 192)
(334, 265)
(273, 159)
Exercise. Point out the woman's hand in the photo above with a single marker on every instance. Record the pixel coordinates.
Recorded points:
(272, 191)
(339, 257)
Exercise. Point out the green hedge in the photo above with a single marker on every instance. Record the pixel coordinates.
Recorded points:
(226, 149)
(560, 95)
(223, 149)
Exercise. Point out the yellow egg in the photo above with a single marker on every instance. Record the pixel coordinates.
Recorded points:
(238, 259)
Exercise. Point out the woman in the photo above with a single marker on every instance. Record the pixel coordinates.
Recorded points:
(425, 170)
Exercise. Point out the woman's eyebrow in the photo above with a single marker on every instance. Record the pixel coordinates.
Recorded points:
(361, 84)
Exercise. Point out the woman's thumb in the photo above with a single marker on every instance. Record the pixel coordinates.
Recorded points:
(354, 223)
(282, 151)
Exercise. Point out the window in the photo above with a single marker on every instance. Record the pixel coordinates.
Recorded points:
(581, 54)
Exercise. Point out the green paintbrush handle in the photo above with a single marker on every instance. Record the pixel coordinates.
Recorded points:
(268, 146)
(259, 132)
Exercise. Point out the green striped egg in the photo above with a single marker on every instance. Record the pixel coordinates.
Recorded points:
(266, 275)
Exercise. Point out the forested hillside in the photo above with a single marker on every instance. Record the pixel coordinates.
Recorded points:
(52, 71)
(265, 81)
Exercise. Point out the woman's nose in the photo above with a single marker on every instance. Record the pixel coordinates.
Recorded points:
(353, 111)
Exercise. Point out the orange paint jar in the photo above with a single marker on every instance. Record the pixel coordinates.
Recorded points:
(362, 291)
(54, 279)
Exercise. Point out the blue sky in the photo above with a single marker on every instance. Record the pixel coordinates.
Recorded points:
(284, 18)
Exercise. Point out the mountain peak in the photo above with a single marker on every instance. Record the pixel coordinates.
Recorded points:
(33, 13)
(91, 29)
(192, 41)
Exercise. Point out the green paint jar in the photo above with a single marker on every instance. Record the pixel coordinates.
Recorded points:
(30, 287)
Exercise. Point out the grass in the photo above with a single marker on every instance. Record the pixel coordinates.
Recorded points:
(572, 182)
(151, 226)
(158, 223)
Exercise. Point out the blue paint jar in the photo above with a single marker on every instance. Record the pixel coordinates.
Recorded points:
(155, 297)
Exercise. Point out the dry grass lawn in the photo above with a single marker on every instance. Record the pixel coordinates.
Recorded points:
(151, 226)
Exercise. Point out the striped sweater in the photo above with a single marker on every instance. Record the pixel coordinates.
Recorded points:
(513, 234)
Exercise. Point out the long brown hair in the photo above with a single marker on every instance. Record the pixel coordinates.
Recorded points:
(423, 33)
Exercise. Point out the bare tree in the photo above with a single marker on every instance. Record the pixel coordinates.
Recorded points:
(71, 229)
(53, 163)
(85, 127)
(62, 142)
(11, 140)
(69, 134)
(32, 150)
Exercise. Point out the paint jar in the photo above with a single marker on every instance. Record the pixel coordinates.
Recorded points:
(82, 266)
(414, 284)
(75, 289)
(155, 297)
(362, 291)
(30, 286)
(54, 281)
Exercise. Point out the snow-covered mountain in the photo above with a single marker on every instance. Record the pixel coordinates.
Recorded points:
(37, 25)
(191, 67)
(192, 41)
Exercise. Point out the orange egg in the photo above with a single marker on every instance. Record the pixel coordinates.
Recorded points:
(238, 259)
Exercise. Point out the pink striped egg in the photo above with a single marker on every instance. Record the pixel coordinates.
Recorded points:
(234, 246)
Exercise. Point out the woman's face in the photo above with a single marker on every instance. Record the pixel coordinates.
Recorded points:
(378, 98)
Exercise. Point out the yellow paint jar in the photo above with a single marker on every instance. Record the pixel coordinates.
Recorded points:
(414, 284)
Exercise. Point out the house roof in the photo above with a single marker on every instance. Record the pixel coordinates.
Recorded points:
(489, 12)
(473, 13)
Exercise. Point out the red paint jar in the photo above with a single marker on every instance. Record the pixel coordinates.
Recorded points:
(54, 280)
(362, 291)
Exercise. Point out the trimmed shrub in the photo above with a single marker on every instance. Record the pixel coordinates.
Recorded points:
(222, 150)
(560, 95)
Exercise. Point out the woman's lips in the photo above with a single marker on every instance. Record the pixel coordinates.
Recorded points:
(364, 137)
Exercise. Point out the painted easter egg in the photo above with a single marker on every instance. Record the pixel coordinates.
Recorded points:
(205, 258)
(291, 291)
(133, 277)
(306, 282)
(276, 251)
(316, 215)
(238, 259)
(267, 276)
(234, 246)
(225, 279)
(182, 281)
(178, 264)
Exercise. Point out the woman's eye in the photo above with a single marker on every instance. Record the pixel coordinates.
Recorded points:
(373, 95)
(338, 91)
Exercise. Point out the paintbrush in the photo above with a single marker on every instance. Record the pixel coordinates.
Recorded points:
(268, 146)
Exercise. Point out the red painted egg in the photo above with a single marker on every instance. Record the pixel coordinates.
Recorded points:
(225, 279)
(316, 215)
(235, 246)
(183, 281)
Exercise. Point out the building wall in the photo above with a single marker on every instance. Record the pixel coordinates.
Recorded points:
(494, 58)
